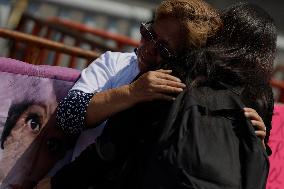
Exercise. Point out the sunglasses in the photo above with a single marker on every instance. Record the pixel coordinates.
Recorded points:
(148, 34)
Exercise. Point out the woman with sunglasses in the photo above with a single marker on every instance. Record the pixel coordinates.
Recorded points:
(99, 156)
(104, 87)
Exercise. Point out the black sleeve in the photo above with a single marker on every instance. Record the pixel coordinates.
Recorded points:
(95, 166)
(80, 173)
(71, 112)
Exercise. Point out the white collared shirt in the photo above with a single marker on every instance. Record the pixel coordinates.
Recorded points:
(110, 70)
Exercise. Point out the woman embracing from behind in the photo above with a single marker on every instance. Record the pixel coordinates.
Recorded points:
(208, 142)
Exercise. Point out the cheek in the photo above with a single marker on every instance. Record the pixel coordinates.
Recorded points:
(21, 136)
(17, 142)
(14, 146)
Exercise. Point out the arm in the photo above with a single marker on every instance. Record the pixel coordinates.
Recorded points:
(150, 86)
(79, 109)
(96, 96)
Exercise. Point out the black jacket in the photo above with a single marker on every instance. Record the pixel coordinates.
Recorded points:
(201, 141)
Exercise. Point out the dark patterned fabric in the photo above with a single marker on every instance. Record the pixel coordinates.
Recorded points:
(72, 110)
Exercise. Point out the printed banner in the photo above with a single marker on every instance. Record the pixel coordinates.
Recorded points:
(29, 142)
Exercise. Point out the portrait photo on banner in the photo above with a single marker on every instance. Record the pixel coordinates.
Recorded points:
(28, 99)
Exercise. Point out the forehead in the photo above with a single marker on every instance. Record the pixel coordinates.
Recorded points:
(169, 32)
(21, 87)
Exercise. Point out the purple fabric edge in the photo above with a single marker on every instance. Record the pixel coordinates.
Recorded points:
(46, 71)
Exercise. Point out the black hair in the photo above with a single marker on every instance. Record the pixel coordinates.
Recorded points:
(241, 54)
(249, 47)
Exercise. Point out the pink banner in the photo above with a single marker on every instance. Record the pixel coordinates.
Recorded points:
(29, 95)
(276, 175)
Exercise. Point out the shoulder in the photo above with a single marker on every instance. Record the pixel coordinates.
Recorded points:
(125, 59)
(116, 57)
(121, 55)
(114, 61)
(214, 97)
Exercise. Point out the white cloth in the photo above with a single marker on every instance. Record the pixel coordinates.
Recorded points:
(110, 70)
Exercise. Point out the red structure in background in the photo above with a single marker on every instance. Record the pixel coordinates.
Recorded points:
(121, 41)
(35, 46)
(63, 31)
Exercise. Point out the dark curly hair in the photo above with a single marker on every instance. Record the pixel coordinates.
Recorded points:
(241, 54)
(197, 18)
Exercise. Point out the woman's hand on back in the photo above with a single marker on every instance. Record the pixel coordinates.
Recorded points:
(257, 122)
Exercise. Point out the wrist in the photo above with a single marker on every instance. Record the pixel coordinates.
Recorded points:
(132, 96)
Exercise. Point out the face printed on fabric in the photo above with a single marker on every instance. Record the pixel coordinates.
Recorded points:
(31, 103)
(159, 42)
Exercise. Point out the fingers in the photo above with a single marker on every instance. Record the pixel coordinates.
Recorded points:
(260, 134)
(165, 74)
(258, 125)
(168, 85)
(156, 85)
(257, 122)
(167, 89)
(164, 71)
(165, 82)
(252, 114)
(165, 79)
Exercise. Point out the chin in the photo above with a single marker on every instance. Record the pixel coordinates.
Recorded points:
(10, 155)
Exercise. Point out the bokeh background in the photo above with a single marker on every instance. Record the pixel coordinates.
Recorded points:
(121, 16)
(116, 16)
